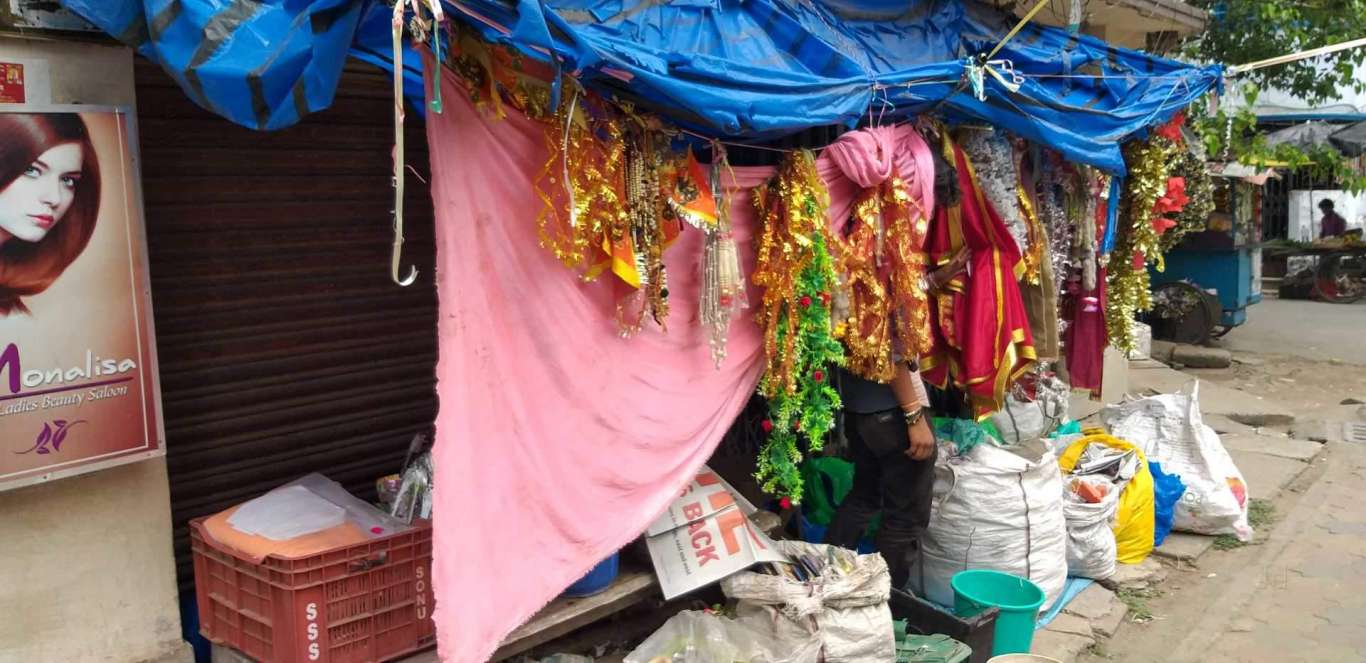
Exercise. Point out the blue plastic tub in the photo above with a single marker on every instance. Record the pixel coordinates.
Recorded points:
(597, 580)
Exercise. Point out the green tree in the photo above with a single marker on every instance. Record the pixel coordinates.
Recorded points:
(1243, 31)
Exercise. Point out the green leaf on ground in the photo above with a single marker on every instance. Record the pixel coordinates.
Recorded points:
(1137, 601)
(1260, 513)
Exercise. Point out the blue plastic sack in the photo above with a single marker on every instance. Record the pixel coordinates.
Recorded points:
(1167, 491)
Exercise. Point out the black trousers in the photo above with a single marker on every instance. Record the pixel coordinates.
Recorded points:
(886, 480)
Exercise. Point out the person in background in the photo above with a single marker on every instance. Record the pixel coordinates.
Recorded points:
(1332, 224)
(892, 447)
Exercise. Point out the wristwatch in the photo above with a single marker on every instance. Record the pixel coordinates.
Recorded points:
(914, 416)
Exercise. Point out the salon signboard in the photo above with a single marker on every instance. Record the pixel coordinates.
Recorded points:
(78, 373)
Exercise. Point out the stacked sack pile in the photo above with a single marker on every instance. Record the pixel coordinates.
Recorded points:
(1024, 494)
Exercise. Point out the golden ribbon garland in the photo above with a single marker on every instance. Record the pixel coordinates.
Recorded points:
(884, 261)
(792, 208)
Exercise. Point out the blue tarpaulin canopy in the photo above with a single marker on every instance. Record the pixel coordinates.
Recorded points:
(727, 68)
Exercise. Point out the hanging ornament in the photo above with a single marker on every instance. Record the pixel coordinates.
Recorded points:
(997, 163)
(645, 207)
(693, 199)
(723, 284)
(793, 264)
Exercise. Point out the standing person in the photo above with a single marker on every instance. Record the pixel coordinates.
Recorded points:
(1332, 224)
(893, 450)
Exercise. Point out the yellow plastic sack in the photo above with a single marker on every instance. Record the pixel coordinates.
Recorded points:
(1135, 520)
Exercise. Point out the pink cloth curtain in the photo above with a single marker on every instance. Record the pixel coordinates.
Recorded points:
(557, 440)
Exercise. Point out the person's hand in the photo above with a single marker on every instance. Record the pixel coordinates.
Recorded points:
(945, 273)
(922, 439)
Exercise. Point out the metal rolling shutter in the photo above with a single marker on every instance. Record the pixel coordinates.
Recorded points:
(284, 347)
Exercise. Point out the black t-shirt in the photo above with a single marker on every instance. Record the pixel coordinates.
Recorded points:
(862, 396)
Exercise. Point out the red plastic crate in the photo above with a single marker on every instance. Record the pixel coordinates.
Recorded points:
(364, 603)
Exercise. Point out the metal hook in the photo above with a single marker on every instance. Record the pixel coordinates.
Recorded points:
(396, 257)
(397, 179)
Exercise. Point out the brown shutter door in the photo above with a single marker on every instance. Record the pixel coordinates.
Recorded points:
(284, 347)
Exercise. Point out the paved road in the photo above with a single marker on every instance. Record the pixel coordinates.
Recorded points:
(1312, 330)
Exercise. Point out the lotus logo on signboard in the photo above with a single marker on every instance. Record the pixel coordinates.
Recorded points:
(50, 438)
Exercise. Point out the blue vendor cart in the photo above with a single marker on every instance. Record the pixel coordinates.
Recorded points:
(1213, 275)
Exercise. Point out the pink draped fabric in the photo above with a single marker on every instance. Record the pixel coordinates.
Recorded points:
(866, 158)
(557, 440)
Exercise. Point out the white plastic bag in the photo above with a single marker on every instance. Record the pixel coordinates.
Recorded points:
(287, 513)
(698, 637)
(310, 504)
(1022, 420)
(1091, 549)
(995, 509)
(847, 611)
(1169, 430)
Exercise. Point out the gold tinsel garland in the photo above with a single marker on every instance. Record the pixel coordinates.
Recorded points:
(792, 209)
(1031, 259)
(586, 159)
(1137, 240)
(625, 196)
(1200, 190)
(797, 275)
(884, 261)
(613, 194)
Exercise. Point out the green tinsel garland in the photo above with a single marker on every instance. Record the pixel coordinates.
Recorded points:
(1149, 164)
(1200, 190)
(809, 412)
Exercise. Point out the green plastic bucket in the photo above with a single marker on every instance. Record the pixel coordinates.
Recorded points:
(1017, 598)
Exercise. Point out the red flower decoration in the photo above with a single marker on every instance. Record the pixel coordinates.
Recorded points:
(825, 298)
(1138, 260)
(1172, 129)
(1162, 224)
(766, 425)
(1175, 199)
(806, 301)
(818, 376)
(785, 503)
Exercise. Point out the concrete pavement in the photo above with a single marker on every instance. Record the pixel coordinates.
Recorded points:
(1148, 377)
(1309, 603)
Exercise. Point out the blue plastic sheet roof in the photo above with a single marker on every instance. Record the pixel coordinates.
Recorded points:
(728, 68)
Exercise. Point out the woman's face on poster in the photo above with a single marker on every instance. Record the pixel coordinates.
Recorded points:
(36, 201)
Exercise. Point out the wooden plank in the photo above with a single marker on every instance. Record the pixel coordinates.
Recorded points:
(566, 615)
